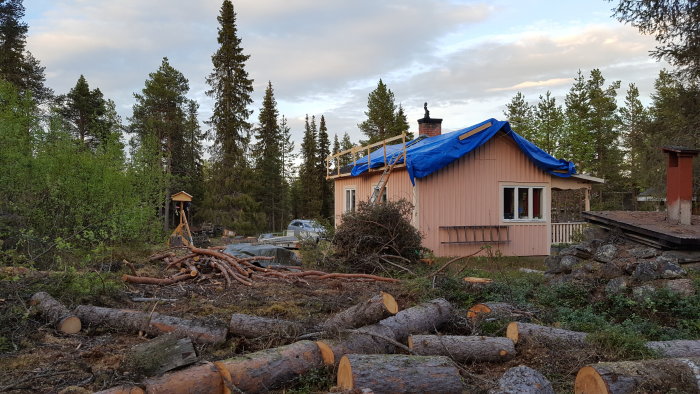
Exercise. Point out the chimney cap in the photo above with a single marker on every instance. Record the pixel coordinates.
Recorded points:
(680, 149)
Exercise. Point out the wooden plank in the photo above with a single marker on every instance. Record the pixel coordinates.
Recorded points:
(476, 130)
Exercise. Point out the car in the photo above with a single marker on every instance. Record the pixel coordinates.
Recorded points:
(304, 229)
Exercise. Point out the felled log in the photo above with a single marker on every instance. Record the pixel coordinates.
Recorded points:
(397, 373)
(662, 376)
(160, 355)
(255, 326)
(152, 324)
(160, 256)
(550, 336)
(256, 372)
(523, 380)
(677, 348)
(426, 317)
(368, 312)
(56, 313)
(463, 348)
(155, 281)
(492, 308)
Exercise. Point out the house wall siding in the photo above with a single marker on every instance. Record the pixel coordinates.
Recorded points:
(466, 193)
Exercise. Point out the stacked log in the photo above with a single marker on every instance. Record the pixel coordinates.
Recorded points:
(368, 312)
(396, 373)
(463, 348)
(56, 313)
(152, 324)
(380, 337)
(249, 326)
(664, 375)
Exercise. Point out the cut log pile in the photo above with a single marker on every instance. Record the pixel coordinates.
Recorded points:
(211, 263)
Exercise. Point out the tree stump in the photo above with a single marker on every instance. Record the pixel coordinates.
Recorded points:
(677, 348)
(646, 376)
(463, 348)
(160, 355)
(56, 313)
(255, 326)
(368, 312)
(152, 324)
(548, 336)
(523, 380)
(397, 373)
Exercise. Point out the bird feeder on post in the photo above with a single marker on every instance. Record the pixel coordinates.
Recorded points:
(182, 235)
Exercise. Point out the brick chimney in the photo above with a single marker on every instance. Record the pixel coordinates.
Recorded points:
(679, 183)
(429, 126)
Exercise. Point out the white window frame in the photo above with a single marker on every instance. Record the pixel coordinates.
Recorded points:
(543, 204)
(347, 189)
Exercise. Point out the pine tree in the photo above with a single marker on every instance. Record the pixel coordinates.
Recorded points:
(603, 125)
(17, 65)
(636, 139)
(231, 89)
(159, 120)
(383, 119)
(548, 124)
(86, 114)
(268, 169)
(326, 191)
(520, 116)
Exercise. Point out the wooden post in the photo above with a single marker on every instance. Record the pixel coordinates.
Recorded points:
(587, 198)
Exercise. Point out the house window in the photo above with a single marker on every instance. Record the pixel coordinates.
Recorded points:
(349, 200)
(523, 203)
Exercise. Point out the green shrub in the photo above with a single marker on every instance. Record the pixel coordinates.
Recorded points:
(620, 343)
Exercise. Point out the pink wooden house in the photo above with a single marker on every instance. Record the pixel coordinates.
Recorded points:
(482, 185)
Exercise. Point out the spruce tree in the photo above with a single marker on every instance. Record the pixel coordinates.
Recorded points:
(346, 144)
(578, 146)
(634, 119)
(310, 205)
(604, 129)
(326, 191)
(288, 155)
(520, 116)
(383, 119)
(17, 65)
(268, 169)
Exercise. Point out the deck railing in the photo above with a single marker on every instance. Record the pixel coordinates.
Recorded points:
(563, 233)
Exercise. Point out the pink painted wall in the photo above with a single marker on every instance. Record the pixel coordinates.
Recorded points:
(467, 193)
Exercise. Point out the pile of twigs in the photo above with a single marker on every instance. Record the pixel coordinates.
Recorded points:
(211, 263)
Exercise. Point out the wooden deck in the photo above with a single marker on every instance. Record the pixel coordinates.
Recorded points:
(650, 228)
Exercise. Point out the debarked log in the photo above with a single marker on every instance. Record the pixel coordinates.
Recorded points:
(368, 312)
(56, 313)
(152, 324)
(648, 376)
(256, 372)
(249, 326)
(463, 348)
(398, 373)
(425, 317)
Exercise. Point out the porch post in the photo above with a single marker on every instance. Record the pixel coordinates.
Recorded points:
(587, 198)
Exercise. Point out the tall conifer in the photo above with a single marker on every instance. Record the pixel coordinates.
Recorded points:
(325, 192)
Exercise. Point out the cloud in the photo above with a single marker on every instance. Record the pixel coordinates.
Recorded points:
(534, 84)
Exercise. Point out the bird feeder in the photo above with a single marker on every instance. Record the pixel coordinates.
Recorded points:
(182, 235)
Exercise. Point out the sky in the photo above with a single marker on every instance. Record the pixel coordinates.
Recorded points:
(466, 59)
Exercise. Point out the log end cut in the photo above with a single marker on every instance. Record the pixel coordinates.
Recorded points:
(345, 374)
(390, 303)
(69, 325)
(589, 381)
(326, 353)
(512, 332)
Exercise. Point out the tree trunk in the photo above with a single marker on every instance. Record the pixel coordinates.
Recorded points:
(501, 309)
(160, 355)
(152, 324)
(425, 317)
(398, 373)
(254, 326)
(549, 336)
(524, 380)
(56, 313)
(678, 348)
(662, 376)
(463, 348)
(252, 373)
(368, 312)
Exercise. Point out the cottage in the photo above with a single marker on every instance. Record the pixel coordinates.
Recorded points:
(482, 185)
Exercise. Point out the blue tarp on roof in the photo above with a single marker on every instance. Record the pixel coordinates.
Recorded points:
(427, 155)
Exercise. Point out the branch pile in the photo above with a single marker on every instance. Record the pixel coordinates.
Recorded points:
(210, 263)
